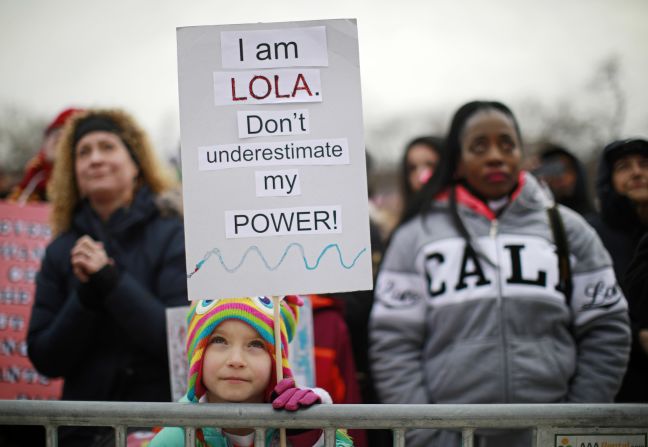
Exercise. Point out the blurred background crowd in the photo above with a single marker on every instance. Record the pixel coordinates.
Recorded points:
(573, 72)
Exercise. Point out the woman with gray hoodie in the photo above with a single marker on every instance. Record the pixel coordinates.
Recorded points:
(472, 305)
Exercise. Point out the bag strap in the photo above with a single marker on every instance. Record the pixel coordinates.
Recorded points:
(562, 250)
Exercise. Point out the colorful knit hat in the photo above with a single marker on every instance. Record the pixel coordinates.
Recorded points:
(205, 315)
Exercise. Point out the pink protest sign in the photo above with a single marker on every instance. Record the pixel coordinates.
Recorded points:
(24, 234)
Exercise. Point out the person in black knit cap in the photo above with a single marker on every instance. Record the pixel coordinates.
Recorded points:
(116, 262)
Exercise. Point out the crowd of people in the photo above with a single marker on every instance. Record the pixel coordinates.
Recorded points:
(500, 284)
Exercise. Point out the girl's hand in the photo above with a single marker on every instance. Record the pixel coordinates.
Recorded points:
(88, 257)
(291, 398)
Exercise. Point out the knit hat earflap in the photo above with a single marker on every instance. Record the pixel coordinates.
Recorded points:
(205, 315)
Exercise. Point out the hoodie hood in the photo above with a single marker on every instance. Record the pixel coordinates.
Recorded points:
(617, 210)
(579, 199)
(528, 194)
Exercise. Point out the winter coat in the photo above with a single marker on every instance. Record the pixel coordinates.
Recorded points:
(116, 351)
(334, 365)
(620, 230)
(450, 325)
(174, 437)
(617, 223)
(635, 382)
(33, 186)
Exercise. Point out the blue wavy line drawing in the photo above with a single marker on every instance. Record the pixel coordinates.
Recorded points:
(272, 268)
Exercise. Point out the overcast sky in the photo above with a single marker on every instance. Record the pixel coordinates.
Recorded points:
(415, 55)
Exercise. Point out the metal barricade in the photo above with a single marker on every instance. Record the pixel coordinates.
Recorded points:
(544, 419)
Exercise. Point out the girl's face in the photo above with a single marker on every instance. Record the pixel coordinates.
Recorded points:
(490, 154)
(104, 169)
(630, 177)
(237, 365)
(421, 161)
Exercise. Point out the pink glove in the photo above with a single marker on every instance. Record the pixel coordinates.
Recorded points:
(291, 398)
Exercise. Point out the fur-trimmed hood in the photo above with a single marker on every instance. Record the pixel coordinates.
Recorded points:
(63, 189)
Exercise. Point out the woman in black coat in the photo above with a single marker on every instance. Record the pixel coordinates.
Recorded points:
(636, 379)
(622, 187)
(116, 263)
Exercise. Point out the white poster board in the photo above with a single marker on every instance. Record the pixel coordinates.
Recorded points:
(273, 159)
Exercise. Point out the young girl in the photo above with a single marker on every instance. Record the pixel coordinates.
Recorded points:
(230, 349)
(468, 304)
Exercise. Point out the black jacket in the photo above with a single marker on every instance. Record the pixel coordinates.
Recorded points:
(635, 382)
(620, 230)
(116, 350)
(617, 223)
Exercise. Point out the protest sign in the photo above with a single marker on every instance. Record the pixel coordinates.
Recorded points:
(273, 159)
(24, 234)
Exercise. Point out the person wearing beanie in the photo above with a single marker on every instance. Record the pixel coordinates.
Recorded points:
(116, 262)
(622, 188)
(231, 358)
(33, 186)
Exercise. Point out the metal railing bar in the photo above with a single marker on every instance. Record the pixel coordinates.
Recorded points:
(158, 414)
(398, 437)
(120, 436)
(467, 437)
(259, 437)
(190, 436)
(51, 435)
(534, 437)
(329, 437)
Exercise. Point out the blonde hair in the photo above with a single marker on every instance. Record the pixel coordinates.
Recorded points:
(62, 187)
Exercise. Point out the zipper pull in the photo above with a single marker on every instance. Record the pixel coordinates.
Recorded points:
(493, 228)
